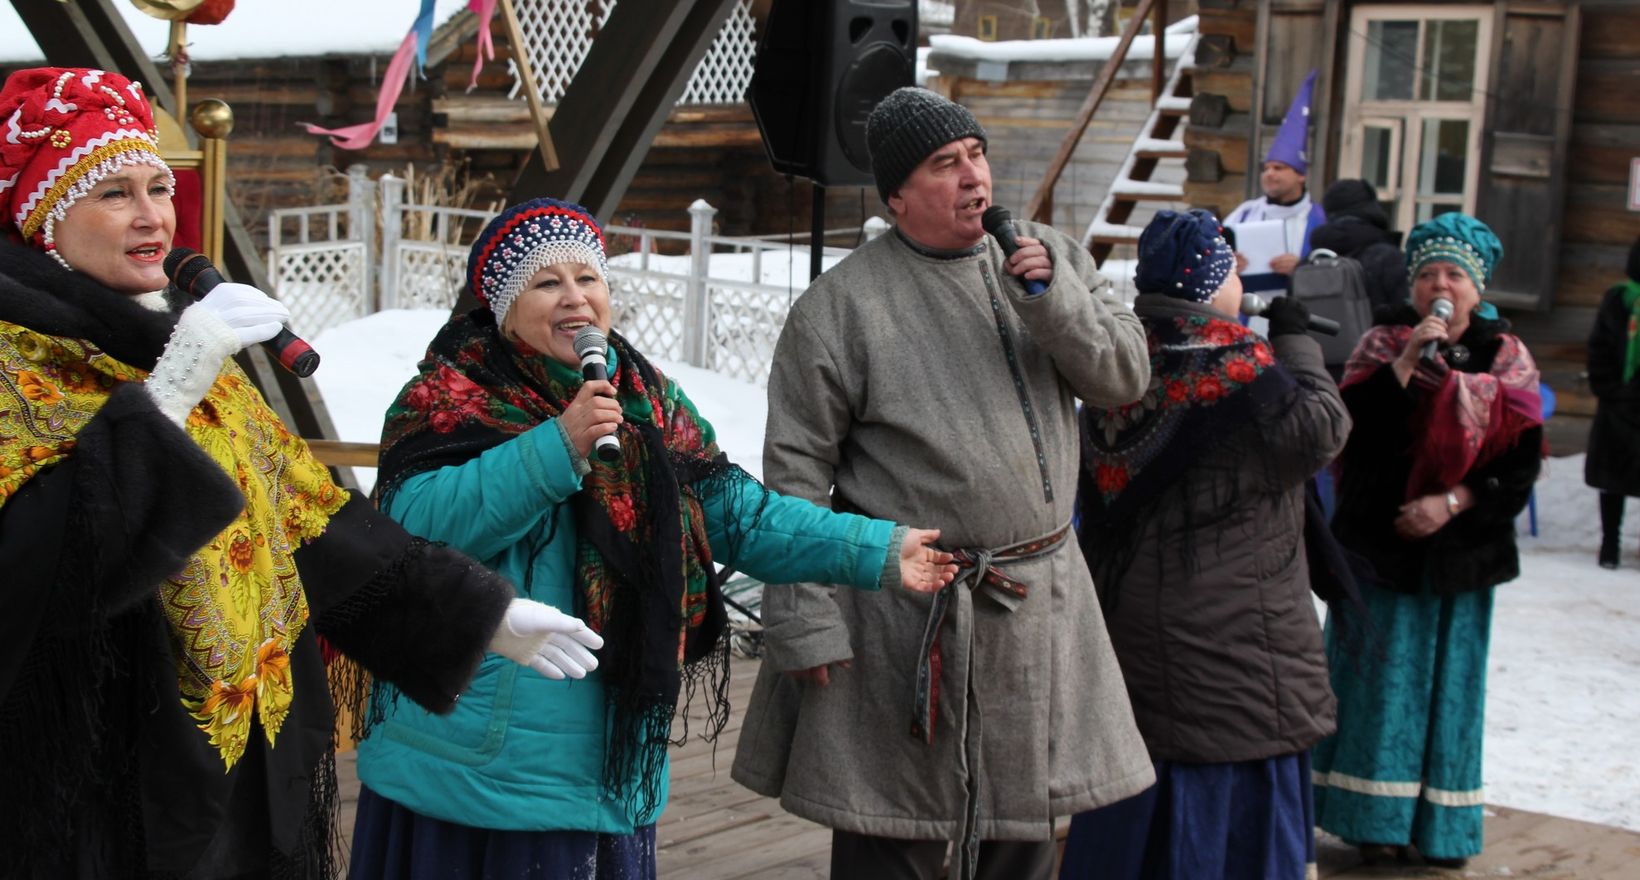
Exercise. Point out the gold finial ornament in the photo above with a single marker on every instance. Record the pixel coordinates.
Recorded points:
(212, 118)
(168, 10)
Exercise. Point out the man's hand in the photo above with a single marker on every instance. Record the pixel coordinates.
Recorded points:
(819, 675)
(1031, 261)
(1284, 264)
(1241, 263)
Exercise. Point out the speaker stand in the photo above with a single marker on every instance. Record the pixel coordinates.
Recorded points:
(817, 231)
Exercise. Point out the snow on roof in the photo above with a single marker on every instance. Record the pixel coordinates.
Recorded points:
(1078, 49)
(936, 13)
(260, 29)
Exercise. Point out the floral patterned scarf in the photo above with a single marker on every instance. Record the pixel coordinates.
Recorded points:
(644, 572)
(237, 607)
(1463, 419)
(1207, 375)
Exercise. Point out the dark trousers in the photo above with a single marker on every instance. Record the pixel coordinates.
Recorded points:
(864, 857)
(1611, 515)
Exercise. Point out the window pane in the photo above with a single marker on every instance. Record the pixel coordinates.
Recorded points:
(1449, 60)
(1375, 155)
(1444, 158)
(1429, 210)
(1392, 55)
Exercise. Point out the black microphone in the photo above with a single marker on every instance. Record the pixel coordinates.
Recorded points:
(1440, 308)
(1000, 224)
(192, 273)
(1254, 305)
(589, 347)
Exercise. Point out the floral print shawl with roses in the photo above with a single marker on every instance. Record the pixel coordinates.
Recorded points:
(643, 564)
(1207, 376)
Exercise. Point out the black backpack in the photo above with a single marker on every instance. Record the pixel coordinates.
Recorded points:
(1335, 287)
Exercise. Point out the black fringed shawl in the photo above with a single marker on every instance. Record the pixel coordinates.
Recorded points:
(644, 572)
(1208, 377)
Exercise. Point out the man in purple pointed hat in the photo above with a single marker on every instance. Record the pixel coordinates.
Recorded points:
(1286, 198)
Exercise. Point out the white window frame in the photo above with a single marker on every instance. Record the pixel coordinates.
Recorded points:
(1409, 115)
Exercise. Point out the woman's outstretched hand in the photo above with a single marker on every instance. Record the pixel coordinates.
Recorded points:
(924, 567)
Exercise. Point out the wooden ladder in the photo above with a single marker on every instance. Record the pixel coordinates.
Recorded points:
(1159, 140)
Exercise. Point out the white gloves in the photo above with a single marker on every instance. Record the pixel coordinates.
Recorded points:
(546, 640)
(229, 318)
(251, 314)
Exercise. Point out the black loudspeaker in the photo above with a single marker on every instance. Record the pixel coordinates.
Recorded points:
(821, 66)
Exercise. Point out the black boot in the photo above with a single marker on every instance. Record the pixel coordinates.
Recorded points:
(1611, 527)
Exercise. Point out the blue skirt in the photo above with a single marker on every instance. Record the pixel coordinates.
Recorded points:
(1249, 820)
(391, 842)
(1405, 764)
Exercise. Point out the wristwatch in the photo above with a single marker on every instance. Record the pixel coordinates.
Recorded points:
(1452, 505)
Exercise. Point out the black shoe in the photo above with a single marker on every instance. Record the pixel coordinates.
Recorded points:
(1445, 863)
(1381, 853)
(1608, 553)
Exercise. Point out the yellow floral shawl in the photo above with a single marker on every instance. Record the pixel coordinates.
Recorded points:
(237, 606)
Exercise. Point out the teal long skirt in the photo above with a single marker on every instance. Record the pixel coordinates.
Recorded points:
(1405, 764)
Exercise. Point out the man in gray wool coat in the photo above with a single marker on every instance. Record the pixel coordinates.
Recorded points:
(920, 381)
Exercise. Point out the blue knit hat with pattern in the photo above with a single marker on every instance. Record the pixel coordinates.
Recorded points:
(1455, 238)
(1183, 255)
(525, 239)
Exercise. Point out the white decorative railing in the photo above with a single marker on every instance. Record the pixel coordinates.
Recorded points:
(558, 35)
(720, 306)
(319, 259)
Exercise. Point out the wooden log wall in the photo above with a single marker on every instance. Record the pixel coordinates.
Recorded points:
(1221, 121)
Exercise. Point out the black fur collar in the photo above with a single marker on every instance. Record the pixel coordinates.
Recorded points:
(38, 294)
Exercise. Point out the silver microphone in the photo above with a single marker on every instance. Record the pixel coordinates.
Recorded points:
(1440, 308)
(590, 346)
(1253, 305)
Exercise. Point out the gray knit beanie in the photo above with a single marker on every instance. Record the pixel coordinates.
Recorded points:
(906, 127)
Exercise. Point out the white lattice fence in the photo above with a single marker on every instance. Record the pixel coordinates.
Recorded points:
(559, 33)
(744, 325)
(319, 262)
(429, 274)
(322, 284)
(724, 73)
(647, 308)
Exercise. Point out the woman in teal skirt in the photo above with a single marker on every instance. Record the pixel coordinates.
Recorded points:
(1442, 459)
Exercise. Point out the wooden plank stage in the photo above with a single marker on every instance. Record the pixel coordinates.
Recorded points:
(713, 829)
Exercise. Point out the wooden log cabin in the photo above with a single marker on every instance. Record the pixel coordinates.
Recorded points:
(1518, 111)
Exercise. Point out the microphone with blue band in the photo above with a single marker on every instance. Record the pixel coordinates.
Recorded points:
(1000, 224)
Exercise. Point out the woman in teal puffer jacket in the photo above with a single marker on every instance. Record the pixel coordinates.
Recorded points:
(489, 449)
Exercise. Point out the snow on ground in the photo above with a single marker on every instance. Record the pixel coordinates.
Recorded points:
(1562, 701)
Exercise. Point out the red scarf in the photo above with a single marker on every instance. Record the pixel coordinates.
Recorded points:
(1463, 420)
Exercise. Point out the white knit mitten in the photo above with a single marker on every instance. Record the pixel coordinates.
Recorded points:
(190, 362)
(546, 640)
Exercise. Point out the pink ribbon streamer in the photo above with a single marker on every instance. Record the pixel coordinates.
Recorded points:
(485, 10)
(357, 137)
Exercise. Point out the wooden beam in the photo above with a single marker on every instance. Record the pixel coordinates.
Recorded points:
(609, 115)
(526, 80)
(1040, 207)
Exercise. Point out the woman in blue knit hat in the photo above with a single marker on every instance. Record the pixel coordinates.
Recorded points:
(1447, 443)
(490, 448)
(1192, 523)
